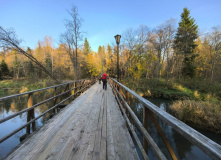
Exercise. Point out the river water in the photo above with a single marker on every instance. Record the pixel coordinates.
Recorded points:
(12, 106)
(183, 149)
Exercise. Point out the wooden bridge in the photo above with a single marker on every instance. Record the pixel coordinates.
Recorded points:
(97, 124)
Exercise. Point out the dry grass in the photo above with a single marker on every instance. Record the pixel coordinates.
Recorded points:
(198, 113)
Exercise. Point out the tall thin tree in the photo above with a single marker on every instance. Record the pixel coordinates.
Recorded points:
(71, 38)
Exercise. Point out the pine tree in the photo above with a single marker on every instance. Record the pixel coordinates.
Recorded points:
(29, 50)
(184, 42)
(87, 48)
(1, 76)
(4, 69)
(16, 67)
(83, 60)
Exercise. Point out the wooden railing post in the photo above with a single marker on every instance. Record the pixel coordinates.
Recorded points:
(145, 124)
(127, 112)
(55, 100)
(30, 114)
(82, 82)
(72, 91)
(121, 92)
(75, 90)
(68, 94)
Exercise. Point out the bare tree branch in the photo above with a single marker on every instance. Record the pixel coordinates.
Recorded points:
(9, 40)
(71, 37)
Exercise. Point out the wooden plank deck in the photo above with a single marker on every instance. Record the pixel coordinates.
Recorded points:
(90, 127)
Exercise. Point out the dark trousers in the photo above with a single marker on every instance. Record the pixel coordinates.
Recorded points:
(105, 84)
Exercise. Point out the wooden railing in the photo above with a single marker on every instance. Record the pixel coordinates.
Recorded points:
(68, 94)
(122, 94)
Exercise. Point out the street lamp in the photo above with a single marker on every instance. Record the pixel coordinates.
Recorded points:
(117, 38)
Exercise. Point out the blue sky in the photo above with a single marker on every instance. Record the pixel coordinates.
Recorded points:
(103, 19)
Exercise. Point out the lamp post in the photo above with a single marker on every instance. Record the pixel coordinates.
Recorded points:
(117, 38)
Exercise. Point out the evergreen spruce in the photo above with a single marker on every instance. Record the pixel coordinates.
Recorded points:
(1, 76)
(83, 64)
(184, 42)
(4, 69)
(87, 48)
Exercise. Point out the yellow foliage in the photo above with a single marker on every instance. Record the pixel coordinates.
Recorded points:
(148, 94)
(13, 106)
(180, 87)
(196, 94)
(24, 89)
(208, 96)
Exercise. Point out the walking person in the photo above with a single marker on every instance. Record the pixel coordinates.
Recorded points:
(99, 79)
(104, 80)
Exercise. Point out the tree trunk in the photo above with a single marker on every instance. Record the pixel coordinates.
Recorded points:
(212, 70)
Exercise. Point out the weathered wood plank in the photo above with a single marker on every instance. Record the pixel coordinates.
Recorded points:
(119, 142)
(49, 128)
(80, 131)
(104, 131)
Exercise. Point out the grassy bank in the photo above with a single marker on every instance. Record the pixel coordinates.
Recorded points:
(200, 114)
(196, 102)
(176, 90)
(9, 87)
(155, 88)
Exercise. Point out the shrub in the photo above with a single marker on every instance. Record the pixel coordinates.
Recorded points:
(198, 113)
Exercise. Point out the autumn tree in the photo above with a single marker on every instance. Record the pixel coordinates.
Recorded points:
(71, 38)
(142, 35)
(158, 39)
(184, 42)
(202, 61)
(9, 40)
(94, 63)
(63, 67)
(110, 61)
(214, 41)
(49, 53)
(129, 42)
(102, 54)
(168, 54)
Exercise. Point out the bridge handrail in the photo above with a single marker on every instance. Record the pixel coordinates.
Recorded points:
(38, 90)
(34, 106)
(154, 146)
(208, 146)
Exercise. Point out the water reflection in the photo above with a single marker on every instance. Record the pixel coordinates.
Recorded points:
(11, 106)
(182, 148)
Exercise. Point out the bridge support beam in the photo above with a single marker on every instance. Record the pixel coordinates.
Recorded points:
(145, 124)
(55, 100)
(30, 114)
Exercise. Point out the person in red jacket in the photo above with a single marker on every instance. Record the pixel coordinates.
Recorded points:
(104, 79)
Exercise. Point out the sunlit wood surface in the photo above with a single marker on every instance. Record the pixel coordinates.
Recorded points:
(90, 127)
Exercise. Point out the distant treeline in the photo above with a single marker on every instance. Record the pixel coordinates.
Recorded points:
(167, 51)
